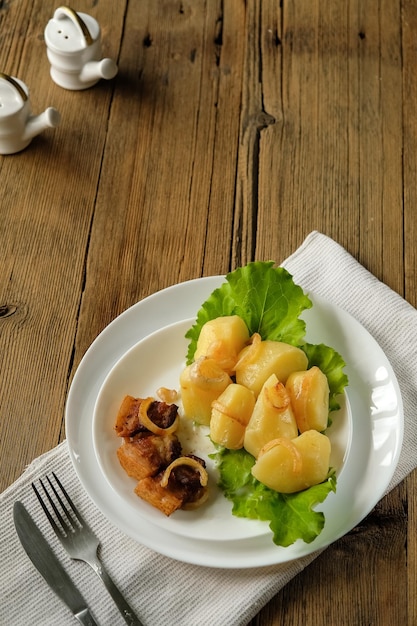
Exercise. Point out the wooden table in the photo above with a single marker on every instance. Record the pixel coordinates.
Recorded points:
(232, 130)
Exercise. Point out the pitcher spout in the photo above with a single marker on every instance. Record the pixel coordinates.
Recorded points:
(36, 124)
(93, 71)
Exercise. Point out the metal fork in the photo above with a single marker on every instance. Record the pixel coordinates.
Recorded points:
(80, 541)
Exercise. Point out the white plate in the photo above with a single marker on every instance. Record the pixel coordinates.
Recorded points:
(367, 436)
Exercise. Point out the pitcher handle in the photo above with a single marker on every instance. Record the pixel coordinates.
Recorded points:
(65, 11)
(22, 93)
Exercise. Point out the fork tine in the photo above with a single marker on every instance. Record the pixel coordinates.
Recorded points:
(54, 525)
(71, 522)
(68, 499)
(67, 525)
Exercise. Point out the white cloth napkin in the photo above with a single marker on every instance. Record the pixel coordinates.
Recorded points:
(164, 591)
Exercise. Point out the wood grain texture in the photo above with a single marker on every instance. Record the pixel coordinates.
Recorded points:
(232, 130)
(47, 204)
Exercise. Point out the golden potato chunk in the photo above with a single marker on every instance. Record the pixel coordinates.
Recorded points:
(201, 383)
(262, 358)
(229, 416)
(272, 417)
(291, 465)
(222, 339)
(309, 393)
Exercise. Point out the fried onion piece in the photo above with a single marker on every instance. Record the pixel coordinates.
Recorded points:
(149, 417)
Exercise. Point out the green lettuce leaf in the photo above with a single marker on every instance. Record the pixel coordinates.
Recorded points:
(291, 516)
(331, 363)
(265, 297)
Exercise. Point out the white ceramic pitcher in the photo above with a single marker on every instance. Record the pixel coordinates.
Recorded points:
(17, 124)
(73, 46)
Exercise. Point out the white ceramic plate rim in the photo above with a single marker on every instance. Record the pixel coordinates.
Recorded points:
(373, 395)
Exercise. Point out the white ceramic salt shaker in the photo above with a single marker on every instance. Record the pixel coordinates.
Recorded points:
(17, 124)
(73, 46)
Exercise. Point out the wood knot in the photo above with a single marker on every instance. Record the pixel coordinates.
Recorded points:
(147, 41)
(264, 119)
(6, 310)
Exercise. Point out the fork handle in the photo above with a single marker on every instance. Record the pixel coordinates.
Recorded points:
(125, 609)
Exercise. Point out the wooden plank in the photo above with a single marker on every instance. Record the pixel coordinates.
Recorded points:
(409, 86)
(181, 83)
(380, 126)
(330, 160)
(308, 170)
(48, 194)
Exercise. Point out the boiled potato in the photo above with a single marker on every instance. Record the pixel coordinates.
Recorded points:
(222, 339)
(315, 451)
(201, 383)
(229, 416)
(272, 417)
(309, 393)
(291, 465)
(262, 358)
